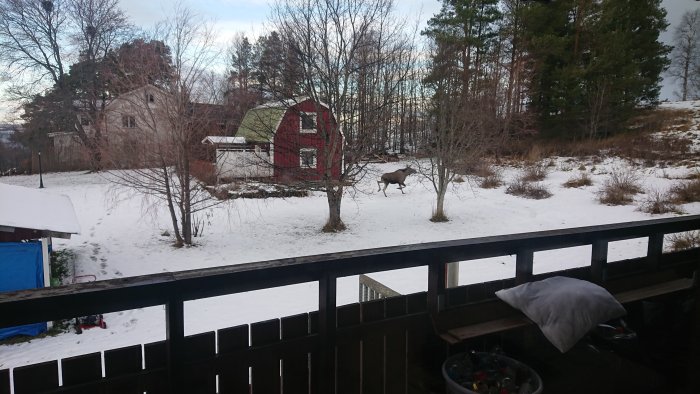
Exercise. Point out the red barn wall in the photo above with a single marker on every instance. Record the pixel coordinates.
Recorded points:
(288, 140)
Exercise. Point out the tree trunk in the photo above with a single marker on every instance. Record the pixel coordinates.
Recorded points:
(171, 207)
(335, 197)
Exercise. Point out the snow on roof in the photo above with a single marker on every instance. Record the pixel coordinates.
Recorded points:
(215, 139)
(288, 103)
(37, 209)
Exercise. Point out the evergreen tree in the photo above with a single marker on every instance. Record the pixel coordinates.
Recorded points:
(594, 62)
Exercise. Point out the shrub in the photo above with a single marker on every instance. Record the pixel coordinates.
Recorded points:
(491, 181)
(657, 203)
(582, 179)
(619, 188)
(686, 192)
(682, 241)
(522, 188)
(536, 172)
(60, 262)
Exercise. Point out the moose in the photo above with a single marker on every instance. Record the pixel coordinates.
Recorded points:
(398, 176)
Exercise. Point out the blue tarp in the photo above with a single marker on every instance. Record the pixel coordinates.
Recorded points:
(21, 268)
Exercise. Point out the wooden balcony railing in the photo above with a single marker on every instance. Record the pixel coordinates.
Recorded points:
(368, 347)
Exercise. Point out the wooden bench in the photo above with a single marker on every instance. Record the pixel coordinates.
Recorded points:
(493, 316)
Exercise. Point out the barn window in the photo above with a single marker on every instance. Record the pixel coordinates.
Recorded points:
(150, 98)
(307, 121)
(128, 122)
(307, 158)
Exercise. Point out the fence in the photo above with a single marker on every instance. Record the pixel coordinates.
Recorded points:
(359, 348)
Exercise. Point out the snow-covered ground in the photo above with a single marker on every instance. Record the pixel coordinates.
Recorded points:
(121, 236)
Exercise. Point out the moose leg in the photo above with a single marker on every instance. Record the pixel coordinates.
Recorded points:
(379, 183)
(385, 186)
(401, 188)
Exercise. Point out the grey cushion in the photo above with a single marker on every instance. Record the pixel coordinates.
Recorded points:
(565, 309)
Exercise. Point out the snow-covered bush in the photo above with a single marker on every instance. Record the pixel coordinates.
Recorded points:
(580, 180)
(621, 185)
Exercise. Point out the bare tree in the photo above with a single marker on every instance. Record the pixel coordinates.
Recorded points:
(349, 53)
(163, 125)
(685, 57)
(33, 39)
(464, 125)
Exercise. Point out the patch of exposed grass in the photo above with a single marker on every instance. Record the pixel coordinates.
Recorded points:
(535, 173)
(522, 188)
(580, 180)
(620, 187)
(657, 203)
(686, 192)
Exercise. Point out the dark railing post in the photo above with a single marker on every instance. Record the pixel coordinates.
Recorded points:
(175, 338)
(523, 266)
(436, 286)
(326, 330)
(599, 260)
(654, 250)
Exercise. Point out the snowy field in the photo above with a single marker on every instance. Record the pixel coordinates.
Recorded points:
(121, 236)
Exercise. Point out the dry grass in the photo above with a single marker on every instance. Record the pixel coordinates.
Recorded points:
(522, 188)
(682, 241)
(686, 192)
(619, 188)
(439, 218)
(580, 180)
(491, 181)
(535, 173)
(637, 141)
(657, 203)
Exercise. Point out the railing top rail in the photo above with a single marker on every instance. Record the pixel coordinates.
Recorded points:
(156, 289)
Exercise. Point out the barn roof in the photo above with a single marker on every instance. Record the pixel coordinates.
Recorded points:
(259, 124)
(37, 209)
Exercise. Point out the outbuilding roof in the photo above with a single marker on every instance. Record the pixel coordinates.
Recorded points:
(37, 209)
(218, 139)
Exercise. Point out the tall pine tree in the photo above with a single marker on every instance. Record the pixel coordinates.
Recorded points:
(594, 62)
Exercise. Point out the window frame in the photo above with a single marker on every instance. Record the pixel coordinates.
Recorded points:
(128, 121)
(313, 130)
(314, 164)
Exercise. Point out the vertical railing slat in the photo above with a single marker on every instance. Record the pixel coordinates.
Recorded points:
(373, 349)
(327, 289)
(235, 375)
(81, 369)
(155, 356)
(599, 261)
(120, 362)
(395, 360)
(349, 352)
(523, 266)
(200, 347)
(5, 381)
(654, 250)
(265, 373)
(175, 338)
(36, 378)
(295, 368)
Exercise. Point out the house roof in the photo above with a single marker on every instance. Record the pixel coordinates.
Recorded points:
(217, 139)
(37, 209)
(260, 123)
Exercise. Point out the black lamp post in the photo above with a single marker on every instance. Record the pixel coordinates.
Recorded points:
(41, 180)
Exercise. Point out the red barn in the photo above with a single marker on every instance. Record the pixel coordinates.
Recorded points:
(303, 136)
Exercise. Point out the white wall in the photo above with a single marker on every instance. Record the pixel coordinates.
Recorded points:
(243, 164)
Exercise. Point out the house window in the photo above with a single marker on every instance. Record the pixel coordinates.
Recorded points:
(150, 98)
(84, 121)
(128, 122)
(307, 158)
(307, 121)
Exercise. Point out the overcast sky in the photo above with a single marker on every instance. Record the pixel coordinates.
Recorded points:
(248, 16)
